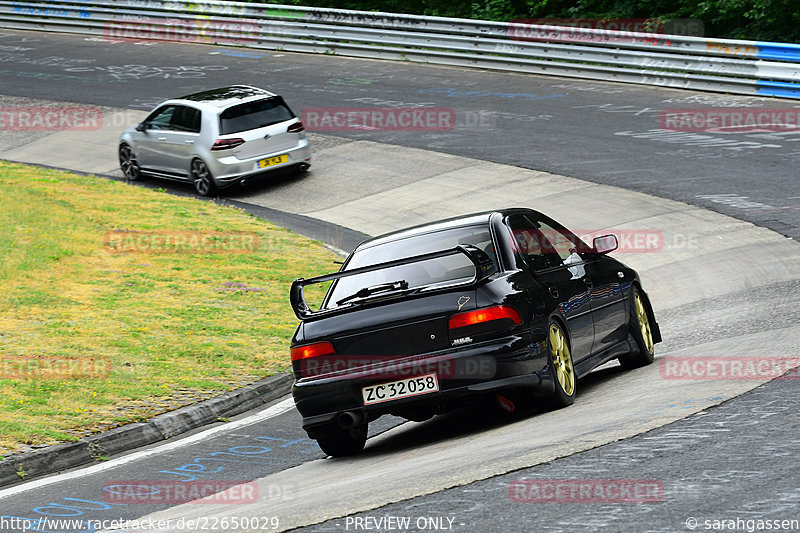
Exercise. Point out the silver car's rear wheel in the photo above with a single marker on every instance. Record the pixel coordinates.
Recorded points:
(128, 163)
(203, 180)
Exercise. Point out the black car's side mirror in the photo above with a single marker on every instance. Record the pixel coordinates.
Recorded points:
(142, 126)
(604, 244)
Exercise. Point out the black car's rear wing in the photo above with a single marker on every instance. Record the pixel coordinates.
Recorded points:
(484, 267)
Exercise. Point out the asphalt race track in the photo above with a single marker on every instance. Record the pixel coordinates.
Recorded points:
(592, 155)
(600, 132)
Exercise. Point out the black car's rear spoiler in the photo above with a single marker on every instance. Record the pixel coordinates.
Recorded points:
(484, 267)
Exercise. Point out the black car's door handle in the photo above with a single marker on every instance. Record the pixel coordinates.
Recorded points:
(553, 291)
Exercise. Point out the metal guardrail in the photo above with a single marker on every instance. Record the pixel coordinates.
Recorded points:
(742, 67)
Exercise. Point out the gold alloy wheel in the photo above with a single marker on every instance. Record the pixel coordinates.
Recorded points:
(644, 324)
(562, 360)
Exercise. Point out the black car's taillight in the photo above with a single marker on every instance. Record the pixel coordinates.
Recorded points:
(297, 127)
(227, 144)
(484, 320)
(311, 350)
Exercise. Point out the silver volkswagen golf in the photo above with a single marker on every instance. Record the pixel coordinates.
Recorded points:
(216, 138)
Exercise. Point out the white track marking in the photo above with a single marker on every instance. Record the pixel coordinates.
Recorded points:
(271, 412)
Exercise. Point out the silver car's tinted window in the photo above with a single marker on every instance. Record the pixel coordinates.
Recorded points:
(253, 115)
(161, 118)
(187, 119)
(442, 271)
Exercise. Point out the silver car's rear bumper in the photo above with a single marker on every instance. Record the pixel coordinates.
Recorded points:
(229, 169)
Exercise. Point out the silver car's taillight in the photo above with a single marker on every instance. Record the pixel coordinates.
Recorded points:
(227, 144)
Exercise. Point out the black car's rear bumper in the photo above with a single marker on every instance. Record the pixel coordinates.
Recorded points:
(507, 363)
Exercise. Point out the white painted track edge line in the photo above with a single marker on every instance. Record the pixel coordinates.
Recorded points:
(271, 412)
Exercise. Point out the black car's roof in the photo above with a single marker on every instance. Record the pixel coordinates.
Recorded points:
(472, 219)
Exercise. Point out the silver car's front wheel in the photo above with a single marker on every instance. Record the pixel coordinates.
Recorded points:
(203, 181)
(128, 163)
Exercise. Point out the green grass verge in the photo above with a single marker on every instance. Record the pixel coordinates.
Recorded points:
(163, 329)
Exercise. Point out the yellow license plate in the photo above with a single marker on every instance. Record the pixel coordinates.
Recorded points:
(270, 161)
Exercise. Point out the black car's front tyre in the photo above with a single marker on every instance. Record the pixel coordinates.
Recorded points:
(561, 368)
(202, 178)
(128, 163)
(338, 442)
(642, 333)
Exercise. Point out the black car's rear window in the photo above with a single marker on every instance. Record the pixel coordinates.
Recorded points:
(254, 115)
(445, 270)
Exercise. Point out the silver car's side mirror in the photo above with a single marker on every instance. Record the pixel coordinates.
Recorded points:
(604, 244)
(141, 126)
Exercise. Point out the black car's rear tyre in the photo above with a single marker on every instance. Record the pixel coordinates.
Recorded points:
(128, 163)
(561, 368)
(338, 442)
(202, 178)
(642, 333)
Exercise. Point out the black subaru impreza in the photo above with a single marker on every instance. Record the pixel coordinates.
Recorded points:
(496, 304)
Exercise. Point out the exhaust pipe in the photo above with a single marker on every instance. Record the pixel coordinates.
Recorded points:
(349, 419)
(505, 403)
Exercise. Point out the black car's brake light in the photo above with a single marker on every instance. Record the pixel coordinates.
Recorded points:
(227, 144)
(312, 350)
(297, 127)
(500, 316)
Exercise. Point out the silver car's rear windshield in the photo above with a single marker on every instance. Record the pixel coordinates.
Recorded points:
(434, 272)
(254, 115)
